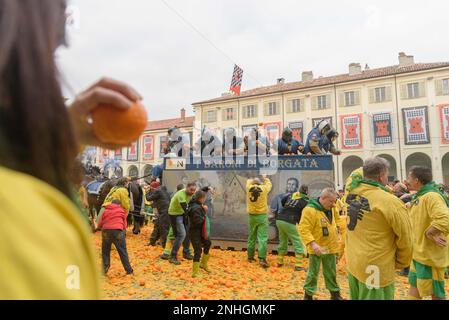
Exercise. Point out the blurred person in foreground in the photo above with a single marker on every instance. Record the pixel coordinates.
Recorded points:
(47, 254)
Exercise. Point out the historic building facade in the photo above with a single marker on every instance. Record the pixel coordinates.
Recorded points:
(399, 112)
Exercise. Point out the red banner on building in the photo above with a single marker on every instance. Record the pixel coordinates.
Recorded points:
(133, 151)
(416, 127)
(148, 147)
(163, 141)
(382, 128)
(444, 116)
(272, 131)
(118, 154)
(351, 137)
(297, 128)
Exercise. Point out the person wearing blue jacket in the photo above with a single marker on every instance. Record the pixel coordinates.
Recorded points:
(287, 145)
(315, 137)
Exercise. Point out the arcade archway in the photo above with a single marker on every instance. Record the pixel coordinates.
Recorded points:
(146, 172)
(417, 159)
(133, 171)
(350, 164)
(445, 166)
(393, 174)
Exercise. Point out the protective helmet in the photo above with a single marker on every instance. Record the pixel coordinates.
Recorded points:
(324, 126)
(174, 134)
(287, 134)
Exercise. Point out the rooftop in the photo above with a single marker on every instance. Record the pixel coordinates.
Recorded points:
(331, 80)
(169, 123)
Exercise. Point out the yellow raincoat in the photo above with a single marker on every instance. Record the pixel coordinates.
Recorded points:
(341, 209)
(382, 239)
(120, 194)
(45, 247)
(257, 203)
(311, 226)
(429, 210)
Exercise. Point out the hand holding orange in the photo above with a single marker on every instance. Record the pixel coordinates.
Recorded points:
(117, 111)
(113, 125)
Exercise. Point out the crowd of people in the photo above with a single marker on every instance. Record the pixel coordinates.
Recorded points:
(320, 140)
(380, 227)
(46, 249)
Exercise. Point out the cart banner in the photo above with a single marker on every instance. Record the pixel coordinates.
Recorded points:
(444, 115)
(148, 147)
(227, 207)
(352, 131)
(297, 128)
(133, 151)
(416, 126)
(382, 128)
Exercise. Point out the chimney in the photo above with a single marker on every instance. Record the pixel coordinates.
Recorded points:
(354, 69)
(307, 76)
(183, 115)
(281, 81)
(405, 60)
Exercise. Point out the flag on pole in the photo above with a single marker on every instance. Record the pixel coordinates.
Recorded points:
(236, 83)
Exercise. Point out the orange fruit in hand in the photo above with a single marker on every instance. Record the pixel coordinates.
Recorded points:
(112, 125)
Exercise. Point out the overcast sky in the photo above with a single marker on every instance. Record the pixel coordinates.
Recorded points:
(146, 44)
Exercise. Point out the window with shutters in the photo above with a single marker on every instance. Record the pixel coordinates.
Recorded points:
(380, 94)
(250, 111)
(211, 116)
(229, 114)
(413, 90)
(445, 84)
(295, 106)
(350, 99)
(322, 102)
(271, 109)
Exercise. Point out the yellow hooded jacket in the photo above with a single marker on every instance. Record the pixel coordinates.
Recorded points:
(359, 172)
(340, 208)
(118, 193)
(429, 210)
(45, 246)
(257, 196)
(383, 238)
(311, 227)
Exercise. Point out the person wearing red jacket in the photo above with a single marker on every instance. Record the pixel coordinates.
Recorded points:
(113, 225)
